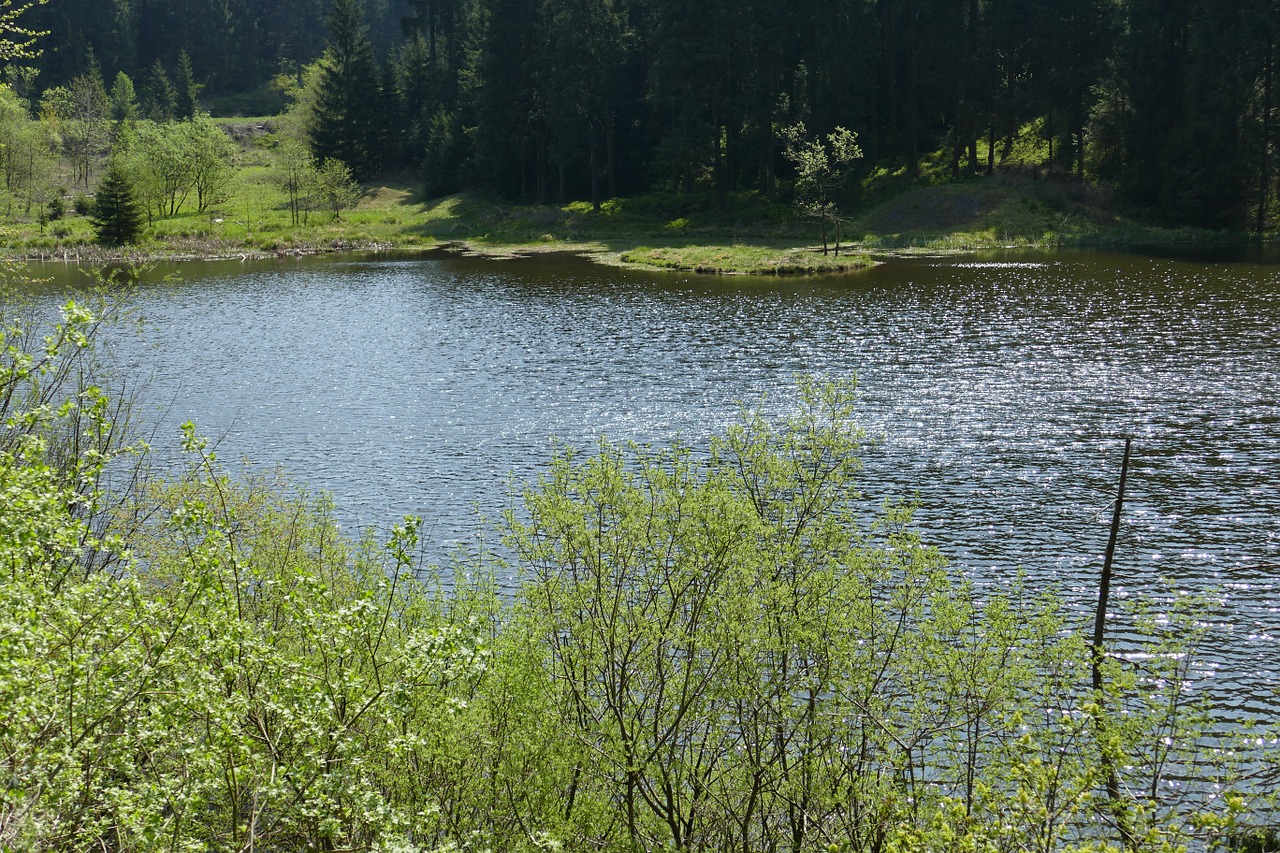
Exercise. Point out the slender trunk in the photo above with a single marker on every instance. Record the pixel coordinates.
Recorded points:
(913, 119)
(1104, 585)
(972, 84)
(1116, 797)
(541, 167)
(1049, 133)
(1079, 135)
(610, 151)
(1265, 178)
(1080, 153)
(888, 49)
(719, 161)
(595, 175)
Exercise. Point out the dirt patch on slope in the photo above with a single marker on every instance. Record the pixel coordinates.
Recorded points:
(931, 209)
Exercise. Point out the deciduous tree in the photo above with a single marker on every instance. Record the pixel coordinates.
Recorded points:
(336, 189)
(821, 167)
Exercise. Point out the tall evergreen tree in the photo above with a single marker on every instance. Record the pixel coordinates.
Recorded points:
(512, 98)
(346, 124)
(187, 91)
(124, 102)
(160, 99)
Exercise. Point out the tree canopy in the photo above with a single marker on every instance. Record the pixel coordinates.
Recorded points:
(1170, 103)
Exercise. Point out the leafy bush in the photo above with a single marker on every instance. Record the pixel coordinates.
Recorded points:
(710, 650)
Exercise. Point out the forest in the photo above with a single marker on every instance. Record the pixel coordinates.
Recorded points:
(1168, 102)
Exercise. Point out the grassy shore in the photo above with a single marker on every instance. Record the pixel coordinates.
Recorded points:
(745, 234)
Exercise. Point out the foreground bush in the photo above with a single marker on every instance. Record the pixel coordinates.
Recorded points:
(715, 650)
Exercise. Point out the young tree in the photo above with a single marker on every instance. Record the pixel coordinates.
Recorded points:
(335, 187)
(116, 216)
(160, 99)
(187, 90)
(210, 153)
(821, 167)
(26, 151)
(124, 110)
(295, 172)
(83, 110)
(160, 168)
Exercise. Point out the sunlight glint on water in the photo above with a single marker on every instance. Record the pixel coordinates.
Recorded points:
(1000, 388)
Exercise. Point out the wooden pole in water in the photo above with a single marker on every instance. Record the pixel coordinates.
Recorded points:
(1104, 586)
(1118, 811)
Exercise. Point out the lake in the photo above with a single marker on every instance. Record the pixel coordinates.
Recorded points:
(1000, 387)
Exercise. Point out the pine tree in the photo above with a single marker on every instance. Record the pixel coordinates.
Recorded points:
(187, 90)
(346, 124)
(160, 102)
(124, 101)
(116, 215)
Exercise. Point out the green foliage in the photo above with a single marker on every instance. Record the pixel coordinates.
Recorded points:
(753, 664)
(117, 213)
(295, 172)
(234, 692)
(346, 124)
(124, 100)
(17, 41)
(335, 188)
(172, 161)
(160, 99)
(187, 90)
(80, 115)
(211, 153)
(26, 159)
(822, 166)
(721, 649)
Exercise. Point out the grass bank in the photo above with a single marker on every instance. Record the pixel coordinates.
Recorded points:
(747, 233)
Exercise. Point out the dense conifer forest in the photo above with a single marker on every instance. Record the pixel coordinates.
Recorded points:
(1169, 102)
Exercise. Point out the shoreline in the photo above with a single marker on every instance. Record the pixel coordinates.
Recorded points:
(788, 259)
(749, 237)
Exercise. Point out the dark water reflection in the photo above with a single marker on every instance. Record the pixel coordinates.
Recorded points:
(1001, 386)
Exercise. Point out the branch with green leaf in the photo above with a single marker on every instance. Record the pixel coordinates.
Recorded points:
(822, 166)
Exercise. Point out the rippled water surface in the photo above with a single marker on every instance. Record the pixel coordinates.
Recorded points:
(1001, 388)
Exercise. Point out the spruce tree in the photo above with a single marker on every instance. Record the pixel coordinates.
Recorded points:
(187, 90)
(160, 101)
(124, 100)
(346, 124)
(116, 216)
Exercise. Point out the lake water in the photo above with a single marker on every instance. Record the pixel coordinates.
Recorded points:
(1000, 386)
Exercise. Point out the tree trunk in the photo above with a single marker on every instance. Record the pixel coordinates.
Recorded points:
(913, 119)
(595, 176)
(1114, 795)
(611, 161)
(1265, 178)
